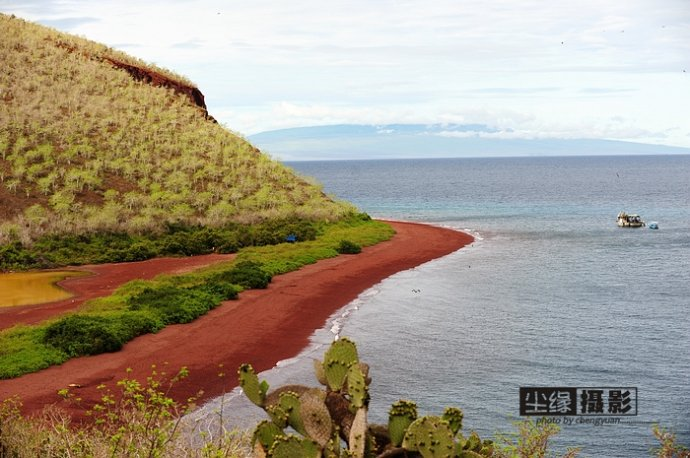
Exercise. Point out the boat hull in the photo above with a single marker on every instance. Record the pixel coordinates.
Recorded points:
(626, 220)
(628, 224)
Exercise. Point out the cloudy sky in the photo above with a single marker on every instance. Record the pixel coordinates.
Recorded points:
(615, 69)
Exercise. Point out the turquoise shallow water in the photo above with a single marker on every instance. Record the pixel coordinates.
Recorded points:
(552, 293)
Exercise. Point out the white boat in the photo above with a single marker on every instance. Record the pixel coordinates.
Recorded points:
(626, 220)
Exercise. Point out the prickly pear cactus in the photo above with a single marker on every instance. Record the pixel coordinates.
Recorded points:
(291, 446)
(401, 415)
(358, 434)
(453, 416)
(255, 391)
(338, 358)
(473, 443)
(357, 388)
(332, 448)
(290, 404)
(279, 416)
(317, 421)
(431, 437)
(328, 419)
(474, 447)
(320, 373)
(265, 434)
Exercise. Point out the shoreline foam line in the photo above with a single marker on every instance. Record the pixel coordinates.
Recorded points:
(262, 327)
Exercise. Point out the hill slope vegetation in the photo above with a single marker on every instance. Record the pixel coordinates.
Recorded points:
(93, 140)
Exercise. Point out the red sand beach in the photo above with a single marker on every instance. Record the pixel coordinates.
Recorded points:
(262, 327)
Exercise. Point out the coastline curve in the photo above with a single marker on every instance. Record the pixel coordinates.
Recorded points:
(262, 327)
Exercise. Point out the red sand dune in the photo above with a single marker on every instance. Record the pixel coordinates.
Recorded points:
(262, 327)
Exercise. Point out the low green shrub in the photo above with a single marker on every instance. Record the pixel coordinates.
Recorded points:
(80, 335)
(348, 247)
(247, 274)
(15, 256)
(174, 305)
(139, 251)
(225, 291)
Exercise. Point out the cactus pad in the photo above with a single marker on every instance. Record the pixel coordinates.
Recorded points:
(431, 437)
(317, 421)
(273, 397)
(255, 391)
(265, 434)
(278, 415)
(290, 404)
(473, 443)
(453, 416)
(320, 373)
(358, 434)
(340, 356)
(292, 446)
(400, 416)
(357, 388)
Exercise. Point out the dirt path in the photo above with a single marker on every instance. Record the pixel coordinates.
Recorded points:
(104, 280)
(262, 327)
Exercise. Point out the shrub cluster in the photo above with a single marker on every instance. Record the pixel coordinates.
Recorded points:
(247, 274)
(80, 335)
(13, 256)
(151, 309)
(173, 304)
(348, 247)
(177, 240)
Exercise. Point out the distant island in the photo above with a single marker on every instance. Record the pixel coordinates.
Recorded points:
(388, 141)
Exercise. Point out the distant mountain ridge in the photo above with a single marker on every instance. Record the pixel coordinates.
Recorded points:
(337, 130)
(368, 141)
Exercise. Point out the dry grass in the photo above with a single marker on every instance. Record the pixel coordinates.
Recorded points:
(135, 420)
(86, 147)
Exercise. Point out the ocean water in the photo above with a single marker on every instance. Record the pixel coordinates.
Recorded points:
(551, 294)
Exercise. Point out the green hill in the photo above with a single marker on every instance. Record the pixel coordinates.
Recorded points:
(95, 141)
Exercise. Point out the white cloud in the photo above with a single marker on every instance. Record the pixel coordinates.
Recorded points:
(538, 67)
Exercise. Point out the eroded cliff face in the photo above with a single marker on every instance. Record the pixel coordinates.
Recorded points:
(147, 76)
(157, 79)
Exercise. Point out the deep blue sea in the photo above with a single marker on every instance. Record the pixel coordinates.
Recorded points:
(551, 294)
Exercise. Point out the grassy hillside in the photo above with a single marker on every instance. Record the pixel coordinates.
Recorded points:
(93, 140)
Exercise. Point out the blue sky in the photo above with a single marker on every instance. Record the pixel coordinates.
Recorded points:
(614, 69)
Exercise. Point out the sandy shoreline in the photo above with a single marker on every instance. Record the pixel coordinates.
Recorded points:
(262, 327)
